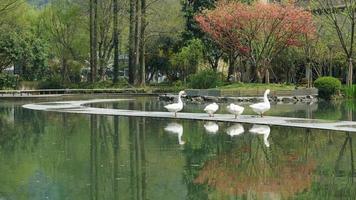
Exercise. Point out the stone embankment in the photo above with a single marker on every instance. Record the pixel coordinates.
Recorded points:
(203, 99)
(221, 96)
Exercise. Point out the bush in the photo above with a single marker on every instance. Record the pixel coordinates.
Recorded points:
(327, 86)
(8, 81)
(349, 91)
(205, 79)
(53, 83)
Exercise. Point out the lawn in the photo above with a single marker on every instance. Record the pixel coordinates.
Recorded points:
(258, 86)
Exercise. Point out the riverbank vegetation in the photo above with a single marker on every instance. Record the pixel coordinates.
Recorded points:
(171, 43)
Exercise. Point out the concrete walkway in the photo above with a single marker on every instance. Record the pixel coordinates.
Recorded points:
(81, 108)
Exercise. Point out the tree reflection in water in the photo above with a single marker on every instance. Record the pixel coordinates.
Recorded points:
(66, 156)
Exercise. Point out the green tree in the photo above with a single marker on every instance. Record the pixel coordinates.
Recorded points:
(187, 60)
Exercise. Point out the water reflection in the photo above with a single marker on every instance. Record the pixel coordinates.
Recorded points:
(211, 127)
(235, 130)
(66, 156)
(176, 128)
(261, 130)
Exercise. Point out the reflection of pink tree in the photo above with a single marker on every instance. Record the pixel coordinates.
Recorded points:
(258, 32)
(237, 176)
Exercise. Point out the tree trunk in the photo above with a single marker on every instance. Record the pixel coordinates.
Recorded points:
(132, 43)
(308, 74)
(137, 39)
(259, 75)
(143, 43)
(267, 81)
(350, 73)
(230, 74)
(216, 65)
(116, 42)
(93, 39)
(64, 70)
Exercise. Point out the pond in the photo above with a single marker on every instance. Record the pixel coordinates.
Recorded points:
(45, 155)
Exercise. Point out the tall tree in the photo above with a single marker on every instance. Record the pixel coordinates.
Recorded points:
(62, 25)
(192, 30)
(116, 41)
(93, 39)
(137, 38)
(143, 44)
(132, 67)
(105, 35)
(343, 19)
(258, 32)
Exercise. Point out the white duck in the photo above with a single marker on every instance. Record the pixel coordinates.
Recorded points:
(261, 108)
(261, 130)
(234, 130)
(211, 109)
(235, 109)
(211, 127)
(176, 107)
(176, 128)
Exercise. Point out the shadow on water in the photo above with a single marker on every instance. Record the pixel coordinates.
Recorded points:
(68, 156)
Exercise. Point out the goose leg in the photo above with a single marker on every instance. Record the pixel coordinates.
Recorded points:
(175, 114)
(235, 116)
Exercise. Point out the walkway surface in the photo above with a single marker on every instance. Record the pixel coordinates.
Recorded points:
(81, 108)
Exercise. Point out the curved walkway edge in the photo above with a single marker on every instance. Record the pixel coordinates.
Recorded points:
(79, 107)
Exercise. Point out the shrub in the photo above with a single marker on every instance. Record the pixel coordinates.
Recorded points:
(349, 91)
(327, 86)
(53, 83)
(8, 81)
(205, 79)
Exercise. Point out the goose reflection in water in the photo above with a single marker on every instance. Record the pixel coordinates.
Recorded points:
(261, 130)
(235, 130)
(176, 128)
(211, 127)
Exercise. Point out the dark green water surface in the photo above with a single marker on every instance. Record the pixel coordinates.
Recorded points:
(46, 155)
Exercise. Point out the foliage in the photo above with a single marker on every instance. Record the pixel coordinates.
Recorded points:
(258, 32)
(349, 91)
(53, 83)
(205, 79)
(186, 61)
(56, 83)
(258, 86)
(25, 51)
(8, 81)
(327, 86)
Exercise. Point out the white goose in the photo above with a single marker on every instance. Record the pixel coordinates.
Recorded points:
(261, 108)
(235, 109)
(176, 107)
(211, 127)
(234, 130)
(261, 130)
(176, 128)
(211, 109)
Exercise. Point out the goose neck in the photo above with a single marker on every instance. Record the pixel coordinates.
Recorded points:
(179, 99)
(265, 98)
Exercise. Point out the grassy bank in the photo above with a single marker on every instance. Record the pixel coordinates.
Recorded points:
(153, 88)
(257, 86)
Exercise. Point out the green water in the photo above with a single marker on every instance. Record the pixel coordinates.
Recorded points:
(47, 155)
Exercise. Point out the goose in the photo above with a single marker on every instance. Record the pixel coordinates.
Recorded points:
(261, 108)
(176, 107)
(234, 130)
(211, 127)
(235, 109)
(211, 109)
(261, 130)
(176, 128)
